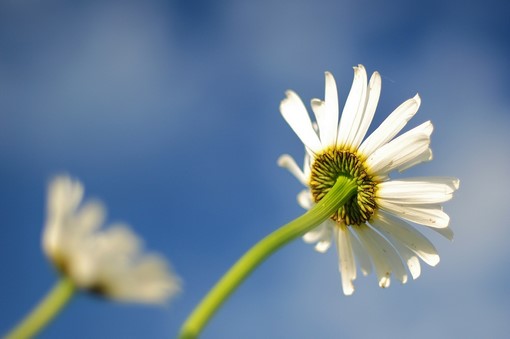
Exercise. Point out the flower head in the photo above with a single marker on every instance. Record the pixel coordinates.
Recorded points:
(372, 229)
(108, 262)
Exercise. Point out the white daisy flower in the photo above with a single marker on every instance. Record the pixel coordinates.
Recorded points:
(372, 229)
(108, 262)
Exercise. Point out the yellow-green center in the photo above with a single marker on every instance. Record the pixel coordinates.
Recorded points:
(331, 164)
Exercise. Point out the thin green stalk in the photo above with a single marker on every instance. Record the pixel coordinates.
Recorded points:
(339, 194)
(47, 309)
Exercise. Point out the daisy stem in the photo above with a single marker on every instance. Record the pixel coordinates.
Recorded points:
(47, 309)
(338, 195)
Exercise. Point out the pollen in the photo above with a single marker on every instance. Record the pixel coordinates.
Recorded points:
(330, 165)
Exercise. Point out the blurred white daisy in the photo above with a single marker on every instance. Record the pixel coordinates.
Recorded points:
(372, 229)
(108, 262)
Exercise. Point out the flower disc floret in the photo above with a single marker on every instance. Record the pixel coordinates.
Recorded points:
(326, 169)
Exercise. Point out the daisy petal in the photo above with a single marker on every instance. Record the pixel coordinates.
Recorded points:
(445, 232)
(304, 199)
(384, 257)
(349, 121)
(401, 151)
(409, 258)
(406, 235)
(326, 112)
(321, 235)
(361, 256)
(367, 114)
(347, 265)
(428, 215)
(390, 126)
(294, 112)
(426, 190)
(288, 162)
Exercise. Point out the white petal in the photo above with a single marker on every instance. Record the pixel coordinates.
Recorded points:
(374, 91)
(409, 258)
(88, 218)
(64, 195)
(347, 265)
(305, 200)
(288, 162)
(294, 112)
(361, 256)
(326, 112)
(401, 151)
(384, 257)
(349, 121)
(390, 126)
(420, 155)
(321, 235)
(426, 190)
(445, 232)
(429, 215)
(148, 280)
(405, 234)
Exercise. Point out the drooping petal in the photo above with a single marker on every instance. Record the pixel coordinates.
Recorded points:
(430, 214)
(361, 256)
(405, 234)
(321, 236)
(384, 257)
(409, 258)
(425, 190)
(367, 114)
(288, 162)
(349, 121)
(390, 126)
(294, 112)
(346, 265)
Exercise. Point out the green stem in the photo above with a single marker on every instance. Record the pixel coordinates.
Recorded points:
(339, 194)
(47, 309)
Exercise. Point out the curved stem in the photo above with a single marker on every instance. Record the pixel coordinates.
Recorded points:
(339, 194)
(47, 309)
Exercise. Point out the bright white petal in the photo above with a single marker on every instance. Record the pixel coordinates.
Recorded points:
(429, 215)
(401, 151)
(361, 256)
(402, 232)
(409, 258)
(390, 126)
(350, 119)
(426, 190)
(288, 162)
(347, 265)
(326, 112)
(384, 257)
(445, 232)
(420, 155)
(294, 112)
(366, 116)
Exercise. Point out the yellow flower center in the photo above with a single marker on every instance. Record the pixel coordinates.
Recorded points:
(331, 164)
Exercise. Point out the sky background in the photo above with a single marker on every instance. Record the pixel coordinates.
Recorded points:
(167, 111)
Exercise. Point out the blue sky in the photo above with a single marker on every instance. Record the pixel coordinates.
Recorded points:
(168, 112)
